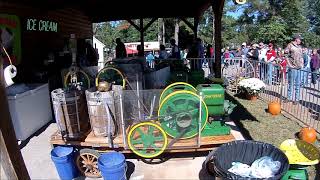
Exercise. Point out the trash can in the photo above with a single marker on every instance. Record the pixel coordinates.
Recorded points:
(63, 160)
(113, 166)
(246, 152)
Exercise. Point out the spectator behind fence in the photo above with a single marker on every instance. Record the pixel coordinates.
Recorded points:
(120, 49)
(306, 67)
(163, 53)
(254, 52)
(295, 64)
(150, 60)
(315, 65)
(244, 52)
(175, 51)
(271, 57)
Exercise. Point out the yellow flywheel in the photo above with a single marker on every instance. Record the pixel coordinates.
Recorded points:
(177, 86)
(147, 139)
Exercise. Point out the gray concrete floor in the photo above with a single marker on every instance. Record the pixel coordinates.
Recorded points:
(36, 155)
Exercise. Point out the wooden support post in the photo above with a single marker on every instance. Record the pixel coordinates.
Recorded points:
(11, 158)
(217, 7)
(141, 37)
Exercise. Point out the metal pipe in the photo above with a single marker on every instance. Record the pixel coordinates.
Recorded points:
(109, 125)
(152, 106)
(122, 122)
(138, 94)
(77, 111)
(199, 121)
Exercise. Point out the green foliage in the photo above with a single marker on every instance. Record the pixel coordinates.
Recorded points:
(259, 20)
(272, 31)
(311, 39)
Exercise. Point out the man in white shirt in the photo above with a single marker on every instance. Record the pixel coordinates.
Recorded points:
(262, 60)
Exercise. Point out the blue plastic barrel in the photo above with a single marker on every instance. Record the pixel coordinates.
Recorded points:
(63, 160)
(112, 166)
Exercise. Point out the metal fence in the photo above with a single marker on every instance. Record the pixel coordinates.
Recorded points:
(297, 90)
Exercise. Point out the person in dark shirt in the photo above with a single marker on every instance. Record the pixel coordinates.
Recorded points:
(175, 52)
(120, 49)
(315, 65)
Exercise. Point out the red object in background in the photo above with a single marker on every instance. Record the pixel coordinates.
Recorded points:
(211, 52)
(283, 64)
(131, 51)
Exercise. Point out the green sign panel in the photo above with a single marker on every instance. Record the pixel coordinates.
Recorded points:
(41, 25)
(10, 37)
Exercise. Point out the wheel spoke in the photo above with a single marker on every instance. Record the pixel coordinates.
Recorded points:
(150, 130)
(159, 138)
(88, 157)
(86, 170)
(92, 159)
(84, 158)
(140, 132)
(137, 141)
(154, 146)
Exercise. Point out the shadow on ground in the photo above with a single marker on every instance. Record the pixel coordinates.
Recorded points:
(204, 175)
(168, 155)
(37, 133)
(239, 114)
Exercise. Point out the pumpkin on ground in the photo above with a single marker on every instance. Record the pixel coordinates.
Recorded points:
(274, 108)
(308, 134)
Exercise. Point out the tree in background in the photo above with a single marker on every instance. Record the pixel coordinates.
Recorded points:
(257, 20)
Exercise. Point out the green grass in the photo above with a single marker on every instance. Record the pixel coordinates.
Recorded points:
(257, 124)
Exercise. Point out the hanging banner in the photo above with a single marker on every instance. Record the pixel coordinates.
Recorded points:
(10, 38)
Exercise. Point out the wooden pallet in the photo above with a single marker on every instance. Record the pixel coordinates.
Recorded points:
(186, 145)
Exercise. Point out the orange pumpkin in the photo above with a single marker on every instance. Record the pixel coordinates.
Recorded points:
(274, 108)
(308, 134)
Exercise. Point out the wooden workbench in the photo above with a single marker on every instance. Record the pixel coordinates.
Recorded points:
(185, 145)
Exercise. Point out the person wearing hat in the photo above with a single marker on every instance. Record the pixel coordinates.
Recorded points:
(295, 64)
(262, 59)
(254, 52)
(244, 52)
(271, 57)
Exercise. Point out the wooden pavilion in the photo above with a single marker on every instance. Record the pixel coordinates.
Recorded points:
(77, 16)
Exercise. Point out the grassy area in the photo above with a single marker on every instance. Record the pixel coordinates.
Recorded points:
(257, 124)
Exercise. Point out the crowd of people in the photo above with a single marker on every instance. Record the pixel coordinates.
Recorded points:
(294, 63)
(194, 50)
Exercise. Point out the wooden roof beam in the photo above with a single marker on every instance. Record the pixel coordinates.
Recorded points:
(149, 24)
(133, 24)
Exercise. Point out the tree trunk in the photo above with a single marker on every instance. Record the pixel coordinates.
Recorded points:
(176, 31)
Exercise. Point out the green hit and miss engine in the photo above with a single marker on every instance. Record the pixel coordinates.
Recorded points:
(183, 99)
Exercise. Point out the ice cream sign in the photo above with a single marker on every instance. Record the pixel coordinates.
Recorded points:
(42, 25)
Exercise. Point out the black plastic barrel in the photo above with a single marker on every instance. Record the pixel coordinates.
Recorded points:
(246, 152)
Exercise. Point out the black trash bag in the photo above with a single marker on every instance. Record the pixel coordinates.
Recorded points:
(247, 152)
